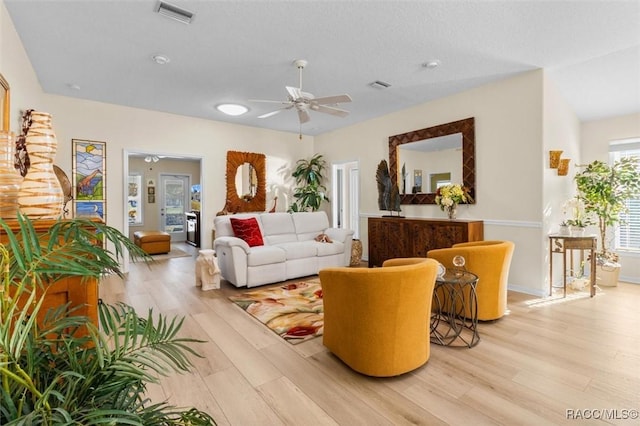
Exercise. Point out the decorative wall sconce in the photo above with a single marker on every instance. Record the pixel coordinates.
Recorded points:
(563, 166)
(554, 159)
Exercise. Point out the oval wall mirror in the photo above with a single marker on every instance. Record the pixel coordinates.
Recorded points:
(246, 181)
(246, 187)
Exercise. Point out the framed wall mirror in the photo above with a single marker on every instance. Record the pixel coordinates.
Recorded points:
(246, 187)
(4, 104)
(443, 154)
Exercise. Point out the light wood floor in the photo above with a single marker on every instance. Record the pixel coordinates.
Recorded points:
(530, 367)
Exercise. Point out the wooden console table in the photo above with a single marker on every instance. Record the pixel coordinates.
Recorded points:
(80, 292)
(563, 244)
(393, 237)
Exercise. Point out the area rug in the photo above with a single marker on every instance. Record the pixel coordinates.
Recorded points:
(174, 253)
(293, 311)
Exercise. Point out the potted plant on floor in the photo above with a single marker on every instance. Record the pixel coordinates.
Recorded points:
(52, 374)
(310, 190)
(604, 190)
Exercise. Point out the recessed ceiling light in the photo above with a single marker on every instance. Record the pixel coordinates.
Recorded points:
(161, 59)
(432, 64)
(232, 109)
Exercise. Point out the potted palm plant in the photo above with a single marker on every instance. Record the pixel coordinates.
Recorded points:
(52, 375)
(604, 190)
(310, 190)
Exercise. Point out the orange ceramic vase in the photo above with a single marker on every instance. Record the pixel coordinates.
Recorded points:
(41, 196)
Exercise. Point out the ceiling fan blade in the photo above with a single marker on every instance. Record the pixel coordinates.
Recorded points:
(303, 115)
(294, 92)
(269, 101)
(330, 110)
(269, 114)
(329, 100)
(272, 113)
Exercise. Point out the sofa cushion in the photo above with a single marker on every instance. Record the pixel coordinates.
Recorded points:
(309, 224)
(222, 224)
(328, 249)
(278, 228)
(265, 255)
(299, 249)
(247, 230)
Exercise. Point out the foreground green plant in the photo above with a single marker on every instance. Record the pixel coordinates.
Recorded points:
(51, 375)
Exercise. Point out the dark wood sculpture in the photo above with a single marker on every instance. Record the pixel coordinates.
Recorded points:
(388, 193)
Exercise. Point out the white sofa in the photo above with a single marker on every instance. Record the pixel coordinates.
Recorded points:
(289, 251)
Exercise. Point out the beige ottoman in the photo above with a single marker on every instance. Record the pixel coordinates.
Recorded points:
(153, 242)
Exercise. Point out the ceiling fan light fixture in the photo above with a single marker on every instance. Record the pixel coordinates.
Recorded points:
(232, 109)
(151, 158)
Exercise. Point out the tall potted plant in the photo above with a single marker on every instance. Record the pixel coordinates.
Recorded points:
(52, 375)
(604, 189)
(310, 190)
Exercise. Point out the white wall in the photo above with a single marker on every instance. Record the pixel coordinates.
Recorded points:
(594, 144)
(561, 131)
(132, 129)
(508, 120)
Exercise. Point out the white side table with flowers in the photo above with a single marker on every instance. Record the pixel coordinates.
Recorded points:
(449, 196)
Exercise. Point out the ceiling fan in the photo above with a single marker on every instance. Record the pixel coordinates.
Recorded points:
(304, 102)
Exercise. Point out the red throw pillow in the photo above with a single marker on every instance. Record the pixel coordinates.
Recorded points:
(247, 230)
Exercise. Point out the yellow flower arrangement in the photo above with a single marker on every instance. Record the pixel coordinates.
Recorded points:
(450, 195)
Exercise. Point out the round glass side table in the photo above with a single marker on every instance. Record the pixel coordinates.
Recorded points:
(454, 315)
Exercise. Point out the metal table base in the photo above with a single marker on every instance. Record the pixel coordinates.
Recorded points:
(454, 317)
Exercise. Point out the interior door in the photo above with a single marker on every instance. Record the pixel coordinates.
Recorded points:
(345, 199)
(174, 199)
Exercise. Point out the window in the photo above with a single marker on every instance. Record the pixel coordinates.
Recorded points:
(628, 232)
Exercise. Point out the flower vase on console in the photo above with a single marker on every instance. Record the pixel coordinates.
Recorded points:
(41, 195)
(10, 178)
(449, 196)
(452, 211)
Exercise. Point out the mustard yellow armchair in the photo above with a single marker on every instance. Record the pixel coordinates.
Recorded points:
(376, 320)
(490, 261)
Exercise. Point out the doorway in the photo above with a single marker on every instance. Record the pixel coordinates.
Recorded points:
(174, 198)
(135, 163)
(346, 196)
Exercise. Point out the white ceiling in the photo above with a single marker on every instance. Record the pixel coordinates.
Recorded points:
(234, 51)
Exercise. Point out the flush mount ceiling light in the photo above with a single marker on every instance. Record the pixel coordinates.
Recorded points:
(232, 109)
(161, 59)
(151, 158)
(174, 12)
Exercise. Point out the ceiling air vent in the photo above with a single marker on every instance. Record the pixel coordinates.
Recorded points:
(380, 84)
(174, 12)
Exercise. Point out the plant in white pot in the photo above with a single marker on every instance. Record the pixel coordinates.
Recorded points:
(604, 189)
(579, 217)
